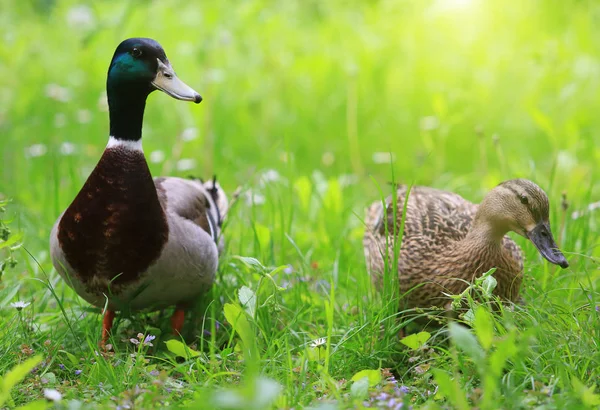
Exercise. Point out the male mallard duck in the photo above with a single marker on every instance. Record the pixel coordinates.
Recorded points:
(128, 241)
(449, 241)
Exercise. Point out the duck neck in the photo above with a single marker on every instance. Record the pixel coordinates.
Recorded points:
(126, 111)
(484, 233)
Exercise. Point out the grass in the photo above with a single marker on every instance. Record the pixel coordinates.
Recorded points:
(303, 103)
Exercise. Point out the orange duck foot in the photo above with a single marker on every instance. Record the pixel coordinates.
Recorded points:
(107, 322)
(177, 321)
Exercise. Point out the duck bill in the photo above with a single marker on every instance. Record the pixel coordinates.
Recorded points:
(542, 238)
(167, 82)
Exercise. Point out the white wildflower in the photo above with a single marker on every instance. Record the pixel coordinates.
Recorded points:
(214, 75)
(58, 93)
(67, 148)
(19, 305)
(189, 134)
(157, 156)
(254, 198)
(186, 164)
(84, 116)
(185, 48)
(269, 175)
(591, 207)
(52, 395)
(103, 102)
(347, 179)
(36, 150)
(429, 123)
(320, 342)
(80, 16)
(383, 157)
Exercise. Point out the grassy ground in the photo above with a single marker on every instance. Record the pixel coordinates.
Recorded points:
(303, 100)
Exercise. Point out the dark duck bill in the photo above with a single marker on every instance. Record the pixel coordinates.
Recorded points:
(542, 238)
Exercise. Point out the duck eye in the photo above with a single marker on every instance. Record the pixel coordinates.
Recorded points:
(136, 52)
(523, 199)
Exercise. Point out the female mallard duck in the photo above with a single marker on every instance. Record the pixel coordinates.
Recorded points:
(449, 241)
(128, 241)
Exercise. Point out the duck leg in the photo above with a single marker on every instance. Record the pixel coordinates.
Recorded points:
(107, 322)
(177, 320)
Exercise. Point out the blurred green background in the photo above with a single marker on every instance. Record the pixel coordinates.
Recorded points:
(312, 107)
(462, 93)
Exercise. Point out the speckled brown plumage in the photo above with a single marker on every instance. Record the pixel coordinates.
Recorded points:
(438, 255)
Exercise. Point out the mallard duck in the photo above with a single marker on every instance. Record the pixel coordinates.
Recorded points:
(128, 241)
(449, 241)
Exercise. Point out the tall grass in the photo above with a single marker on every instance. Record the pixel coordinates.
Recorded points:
(303, 102)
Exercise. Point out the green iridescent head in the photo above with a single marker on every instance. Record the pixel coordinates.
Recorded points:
(140, 66)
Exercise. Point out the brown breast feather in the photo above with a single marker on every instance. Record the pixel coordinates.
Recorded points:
(115, 228)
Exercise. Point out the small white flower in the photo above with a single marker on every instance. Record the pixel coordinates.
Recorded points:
(58, 93)
(103, 102)
(383, 157)
(214, 75)
(347, 180)
(20, 305)
(253, 198)
(186, 164)
(320, 342)
(269, 175)
(189, 134)
(67, 148)
(52, 394)
(429, 123)
(591, 207)
(134, 341)
(84, 116)
(185, 48)
(157, 156)
(80, 16)
(36, 150)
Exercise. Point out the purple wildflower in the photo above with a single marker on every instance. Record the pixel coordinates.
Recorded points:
(61, 366)
(148, 340)
(404, 389)
(394, 404)
(383, 396)
(154, 373)
(78, 372)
